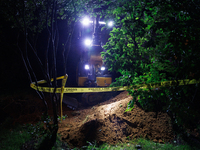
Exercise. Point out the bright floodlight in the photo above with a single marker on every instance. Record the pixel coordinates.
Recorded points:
(103, 68)
(87, 67)
(88, 42)
(101, 22)
(110, 23)
(85, 21)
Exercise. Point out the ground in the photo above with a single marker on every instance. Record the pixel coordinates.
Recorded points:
(104, 122)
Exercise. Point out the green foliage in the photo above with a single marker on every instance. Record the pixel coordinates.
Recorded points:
(130, 105)
(136, 144)
(41, 132)
(63, 117)
(12, 138)
(156, 41)
(35, 15)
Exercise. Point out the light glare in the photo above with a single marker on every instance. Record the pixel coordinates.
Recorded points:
(87, 67)
(110, 24)
(103, 68)
(85, 21)
(88, 42)
(101, 22)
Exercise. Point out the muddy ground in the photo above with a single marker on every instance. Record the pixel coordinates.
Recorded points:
(104, 122)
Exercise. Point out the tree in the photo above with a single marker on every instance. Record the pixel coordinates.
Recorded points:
(39, 18)
(155, 41)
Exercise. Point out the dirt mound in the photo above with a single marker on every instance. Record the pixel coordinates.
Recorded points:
(107, 122)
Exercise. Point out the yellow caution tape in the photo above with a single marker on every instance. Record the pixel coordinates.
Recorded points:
(109, 89)
(78, 90)
(51, 90)
(64, 89)
(61, 94)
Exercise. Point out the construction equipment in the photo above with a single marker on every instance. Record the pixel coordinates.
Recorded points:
(91, 70)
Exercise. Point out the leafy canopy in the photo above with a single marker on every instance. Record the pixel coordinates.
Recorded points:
(155, 41)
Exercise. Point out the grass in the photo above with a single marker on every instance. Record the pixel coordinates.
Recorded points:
(12, 138)
(15, 138)
(138, 144)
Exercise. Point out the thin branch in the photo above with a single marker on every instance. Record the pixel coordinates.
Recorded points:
(29, 75)
(39, 61)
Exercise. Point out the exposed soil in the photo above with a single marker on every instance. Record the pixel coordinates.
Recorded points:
(105, 122)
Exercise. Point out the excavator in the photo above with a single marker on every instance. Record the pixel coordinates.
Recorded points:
(91, 70)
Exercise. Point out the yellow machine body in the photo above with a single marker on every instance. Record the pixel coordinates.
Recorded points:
(103, 81)
(81, 80)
